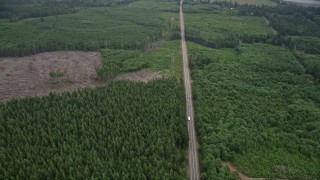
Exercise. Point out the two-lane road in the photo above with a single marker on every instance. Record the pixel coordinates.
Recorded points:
(194, 173)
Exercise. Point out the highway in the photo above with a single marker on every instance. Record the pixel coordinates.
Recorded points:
(194, 169)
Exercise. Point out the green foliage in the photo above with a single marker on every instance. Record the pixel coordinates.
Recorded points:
(295, 25)
(284, 166)
(125, 27)
(196, 7)
(124, 130)
(251, 2)
(311, 64)
(224, 30)
(317, 19)
(18, 12)
(309, 44)
(257, 3)
(167, 57)
(56, 74)
(166, 6)
(256, 107)
(21, 9)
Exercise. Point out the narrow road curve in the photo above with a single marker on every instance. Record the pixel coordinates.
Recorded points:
(194, 170)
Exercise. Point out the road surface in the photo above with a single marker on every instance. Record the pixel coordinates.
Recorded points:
(194, 172)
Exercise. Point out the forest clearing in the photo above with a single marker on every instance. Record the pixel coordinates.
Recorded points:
(48, 72)
(61, 71)
(144, 75)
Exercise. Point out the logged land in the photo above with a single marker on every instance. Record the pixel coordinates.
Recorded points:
(34, 75)
(142, 75)
(40, 74)
(130, 37)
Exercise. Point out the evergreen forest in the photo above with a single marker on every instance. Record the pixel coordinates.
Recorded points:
(124, 130)
(255, 73)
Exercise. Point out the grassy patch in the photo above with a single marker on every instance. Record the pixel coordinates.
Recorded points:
(56, 74)
(223, 29)
(167, 58)
(196, 7)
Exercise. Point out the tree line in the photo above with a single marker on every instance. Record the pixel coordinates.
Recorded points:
(21, 9)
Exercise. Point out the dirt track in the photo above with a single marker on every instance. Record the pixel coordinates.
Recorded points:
(194, 169)
(233, 169)
(30, 75)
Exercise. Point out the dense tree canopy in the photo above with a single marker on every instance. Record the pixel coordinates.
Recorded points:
(124, 130)
(258, 108)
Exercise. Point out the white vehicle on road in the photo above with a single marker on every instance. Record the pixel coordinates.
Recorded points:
(189, 118)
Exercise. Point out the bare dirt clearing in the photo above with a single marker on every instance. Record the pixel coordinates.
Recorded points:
(61, 71)
(144, 75)
(47, 72)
